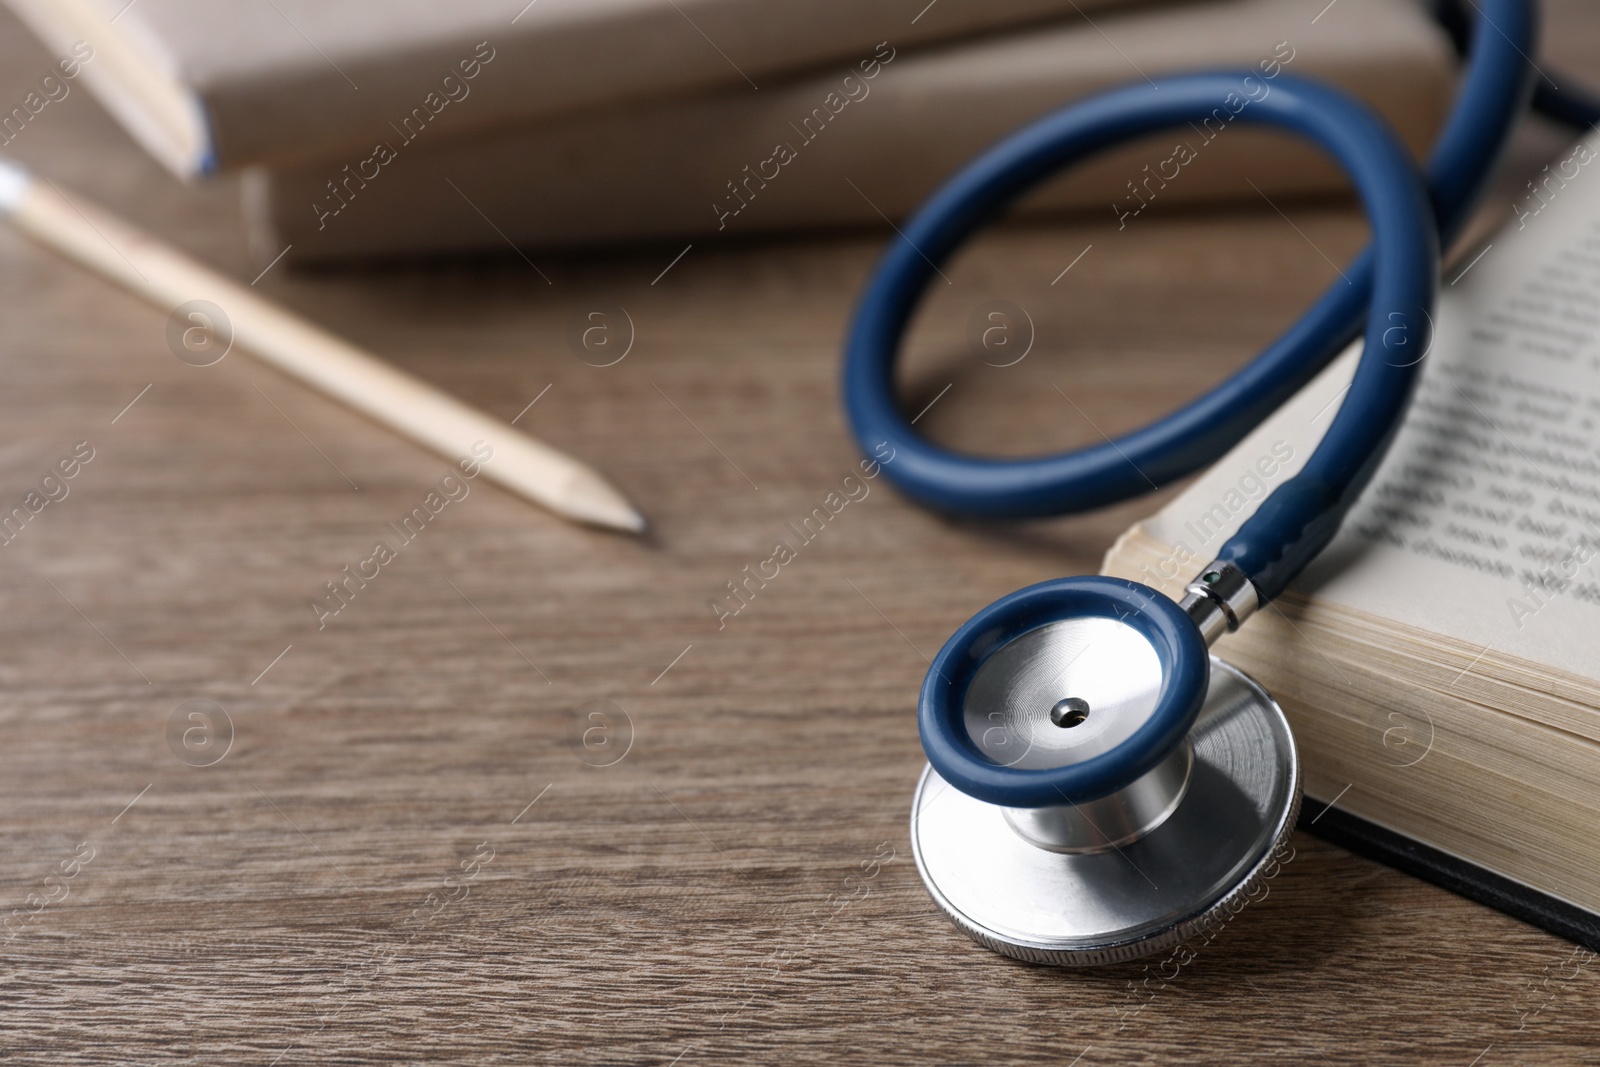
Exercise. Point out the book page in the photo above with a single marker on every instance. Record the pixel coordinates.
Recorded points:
(1483, 523)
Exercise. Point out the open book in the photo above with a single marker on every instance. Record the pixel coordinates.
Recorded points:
(1440, 662)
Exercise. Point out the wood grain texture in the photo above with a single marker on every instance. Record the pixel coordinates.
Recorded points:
(706, 897)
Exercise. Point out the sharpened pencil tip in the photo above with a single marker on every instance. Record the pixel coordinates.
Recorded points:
(589, 498)
(635, 523)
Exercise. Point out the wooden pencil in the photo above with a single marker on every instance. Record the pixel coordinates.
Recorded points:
(169, 279)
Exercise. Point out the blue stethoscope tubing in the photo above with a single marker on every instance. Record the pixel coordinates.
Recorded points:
(1389, 291)
(1390, 288)
(1554, 95)
(1294, 522)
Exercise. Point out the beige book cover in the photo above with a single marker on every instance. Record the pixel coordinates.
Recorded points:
(205, 84)
(1440, 662)
(860, 142)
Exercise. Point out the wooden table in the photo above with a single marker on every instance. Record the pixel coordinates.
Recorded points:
(524, 799)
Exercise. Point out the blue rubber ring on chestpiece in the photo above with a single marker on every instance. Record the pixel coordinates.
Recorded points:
(1185, 668)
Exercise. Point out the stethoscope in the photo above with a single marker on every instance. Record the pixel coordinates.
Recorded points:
(1099, 787)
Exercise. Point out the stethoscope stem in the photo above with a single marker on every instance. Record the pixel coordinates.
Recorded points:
(1219, 600)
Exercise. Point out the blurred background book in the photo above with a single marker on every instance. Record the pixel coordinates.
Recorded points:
(204, 85)
(420, 128)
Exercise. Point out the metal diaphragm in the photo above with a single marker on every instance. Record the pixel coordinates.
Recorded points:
(1064, 887)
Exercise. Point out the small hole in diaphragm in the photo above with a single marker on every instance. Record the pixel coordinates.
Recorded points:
(1069, 712)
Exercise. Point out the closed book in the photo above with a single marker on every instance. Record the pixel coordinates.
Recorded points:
(863, 142)
(1438, 661)
(206, 85)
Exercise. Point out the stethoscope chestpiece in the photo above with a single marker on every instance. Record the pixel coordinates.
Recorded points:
(1100, 787)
